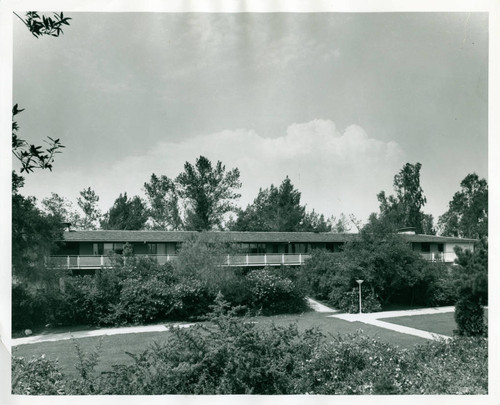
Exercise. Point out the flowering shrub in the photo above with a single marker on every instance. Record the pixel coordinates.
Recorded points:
(37, 376)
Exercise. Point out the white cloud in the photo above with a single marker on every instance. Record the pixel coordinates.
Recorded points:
(336, 171)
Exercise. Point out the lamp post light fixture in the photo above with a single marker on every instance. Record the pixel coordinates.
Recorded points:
(359, 282)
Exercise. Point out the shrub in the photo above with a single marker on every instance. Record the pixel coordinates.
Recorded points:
(349, 302)
(469, 316)
(142, 301)
(38, 376)
(33, 307)
(273, 294)
(229, 355)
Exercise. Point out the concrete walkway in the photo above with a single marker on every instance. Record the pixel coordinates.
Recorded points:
(374, 319)
(319, 307)
(92, 333)
(371, 319)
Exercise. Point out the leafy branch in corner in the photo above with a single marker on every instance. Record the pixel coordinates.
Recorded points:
(42, 25)
(32, 156)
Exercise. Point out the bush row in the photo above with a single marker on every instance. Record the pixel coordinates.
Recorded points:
(231, 356)
(389, 278)
(140, 291)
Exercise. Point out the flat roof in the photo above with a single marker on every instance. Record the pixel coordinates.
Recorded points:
(234, 237)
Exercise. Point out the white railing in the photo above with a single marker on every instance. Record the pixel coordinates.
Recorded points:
(96, 262)
(254, 259)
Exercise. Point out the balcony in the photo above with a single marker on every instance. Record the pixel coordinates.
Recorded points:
(83, 262)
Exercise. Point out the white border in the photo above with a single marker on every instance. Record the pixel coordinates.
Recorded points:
(226, 6)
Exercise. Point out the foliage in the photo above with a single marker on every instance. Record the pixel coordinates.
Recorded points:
(40, 26)
(34, 236)
(125, 214)
(208, 193)
(467, 215)
(34, 305)
(61, 208)
(163, 204)
(32, 156)
(37, 376)
(469, 315)
(472, 289)
(230, 355)
(88, 203)
(349, 302)
(273, 294)
(405, 208)
(314, 222)
(276, 209)
(391, 271)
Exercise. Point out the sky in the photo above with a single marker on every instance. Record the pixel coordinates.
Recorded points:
(338, 102)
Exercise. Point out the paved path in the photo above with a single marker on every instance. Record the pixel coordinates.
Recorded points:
(374, 319)
(371, 318)
(318, 307)
(97, 332)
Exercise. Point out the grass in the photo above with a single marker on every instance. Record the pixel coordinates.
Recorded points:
(443, 324)
(114, 347)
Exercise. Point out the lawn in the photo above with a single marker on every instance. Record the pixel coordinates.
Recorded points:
(114, 347)
(443, 324)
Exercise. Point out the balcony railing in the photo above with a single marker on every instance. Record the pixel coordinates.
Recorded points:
(269, 259)
(96, 262)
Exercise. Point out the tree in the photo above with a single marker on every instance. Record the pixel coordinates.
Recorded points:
(125, 214)
(314, 222)
(276, 209)
(61, 208)
(208, 193)
(88, 201)
(467, 215)
(163, 204)
(34, 234)
(405, 208)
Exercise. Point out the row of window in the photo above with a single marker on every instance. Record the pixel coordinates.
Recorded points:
(252, 248)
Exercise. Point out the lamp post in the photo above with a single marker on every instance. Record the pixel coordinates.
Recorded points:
(359, 283)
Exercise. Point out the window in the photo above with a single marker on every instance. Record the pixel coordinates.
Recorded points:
(426, 247)
(441, 247)
(98, 249)
(152, 248)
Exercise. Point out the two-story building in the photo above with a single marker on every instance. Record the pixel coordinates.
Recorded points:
(91, 249)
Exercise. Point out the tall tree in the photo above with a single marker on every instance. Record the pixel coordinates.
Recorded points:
(405, 208)
(61, 208)
(314, 222)
(88, 203)
(125, 214)
(163, 204)
(208, 193)
(467, 214)
(276, 209)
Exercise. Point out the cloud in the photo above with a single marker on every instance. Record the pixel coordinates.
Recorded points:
(336, 171)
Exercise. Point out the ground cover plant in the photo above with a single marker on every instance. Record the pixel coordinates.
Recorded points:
(230, 355)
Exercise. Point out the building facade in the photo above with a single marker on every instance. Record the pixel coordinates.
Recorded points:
(91, 249)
